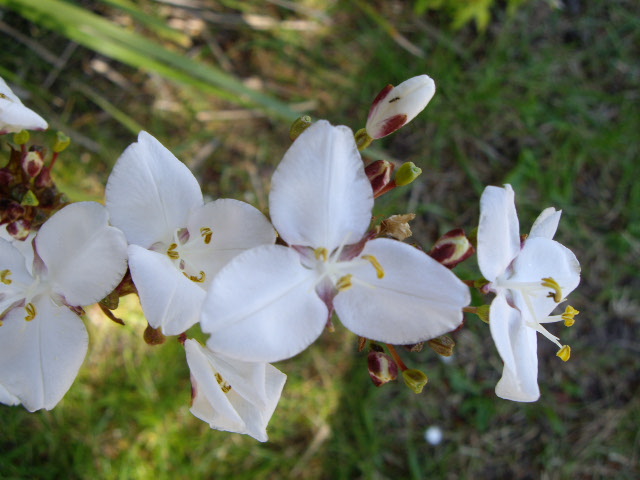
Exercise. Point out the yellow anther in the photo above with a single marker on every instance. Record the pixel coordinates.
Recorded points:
(564, 353)
(321, 253)
(31, 312)
(568, 315)
(224, 386)
(171, 251)
(344, 283)
(4, 277)
(198, 279)
(557, 291)
(206, 233)
(376, 264)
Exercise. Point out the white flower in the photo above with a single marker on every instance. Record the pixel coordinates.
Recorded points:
(529, 280)
(14, 116)
(271, 302)
(394, 107)
(79, 259)
(231, 395)
(176, 242)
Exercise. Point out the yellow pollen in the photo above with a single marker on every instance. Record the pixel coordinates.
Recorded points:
(4, 277)
(557, 291)
(376, 264)
(344, 283)
(171, 251)
(321, 252)
(224, 386)
(568, 315)
(564, 353)
(198, 279)
(206, 233)
(31, 312)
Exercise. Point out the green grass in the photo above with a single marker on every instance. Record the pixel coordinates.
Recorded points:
(544, 99)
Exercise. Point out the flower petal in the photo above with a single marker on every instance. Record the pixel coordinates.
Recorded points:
(262, 306)
(169, 300)
(40, 359)
(14, 116)
(18, 276)
(546, 224)
(150, 193)
(498, 232)
(517, 345)
(320, 195)
(85, 257)
(417, 299)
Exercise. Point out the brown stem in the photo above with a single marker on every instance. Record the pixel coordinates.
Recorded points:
(396, 357)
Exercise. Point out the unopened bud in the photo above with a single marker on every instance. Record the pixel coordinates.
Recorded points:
(414, 347)
(21, 137)
(452, 248)
(397, 226)
(406, 174)
(62, 142)
(19, 229)
(442, 345)
(415, 379)
(6, 177)
(29, 199)
(44, 180)
(382, 368)
(15, 211)
(153, 336)
(32, 163)
(363, 140)
(379, 174)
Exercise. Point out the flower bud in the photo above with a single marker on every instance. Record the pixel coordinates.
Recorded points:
(32, 163)
(442, 345)
(397, 226)
(44, 180)
(299, 126)
(406, 174)
(153, 336)
(6, 177)
(15, 211)
(21, 137)
(62, 142)
(382, 368)
(452, 248)
(394, 107)
(19, 229)
(29, 199)
(363, 140)
(415, 379)
(379, 174)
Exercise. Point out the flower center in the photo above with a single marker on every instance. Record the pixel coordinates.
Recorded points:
(336, 271)
(185, 248)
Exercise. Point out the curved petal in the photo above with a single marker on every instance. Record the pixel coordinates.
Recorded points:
(417, 299)
(517, 345)
(7, 398)
(14, 116)
(169, 300)
(320, 195)
(40, 359)
(546, 224)
(150, 193)
(262, 306)
(498, 231)
(18, 276)
(85, 257)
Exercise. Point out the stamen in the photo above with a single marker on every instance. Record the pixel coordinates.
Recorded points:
(224, 386)
(321, 252)
(344, 283)
(206, 233)
(31, 312)
(557, 291)
(4, 277)
(198, 279)
(376, 264)
(568, 315)
(564, 353)
(171, 251)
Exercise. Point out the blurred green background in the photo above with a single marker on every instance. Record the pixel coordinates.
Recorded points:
(539, 94)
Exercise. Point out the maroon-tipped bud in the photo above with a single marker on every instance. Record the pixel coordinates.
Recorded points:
(19, 229)
(32, 163)
(44, 179)
(6, 177)
(379, 174)
(452, 248)
(382, 368)
(14, 211)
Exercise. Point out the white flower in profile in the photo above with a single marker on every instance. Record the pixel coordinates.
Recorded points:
(232, 395)
(14, 116)
(79, 259)
(177, 243)
(530, 279)
(273, 301)
(394, 107)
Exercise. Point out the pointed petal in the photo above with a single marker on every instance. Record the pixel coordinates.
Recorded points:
(517, 345)
(40, 359)
(498, 232)
(85, 257)
(320, 195)
(14, 116)
(262, 306)
(150, 193)
(417, 299)
(546, 224)
(169, 300)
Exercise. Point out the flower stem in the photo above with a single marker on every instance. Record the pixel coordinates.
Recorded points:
(396, 357)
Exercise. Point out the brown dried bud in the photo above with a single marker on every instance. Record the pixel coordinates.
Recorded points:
(414, 347)
(44, 179)
(153, 336)
(382, 368)
(442, 345)
(452, 248)
(379, 174)
(397, 226)
(19, 229)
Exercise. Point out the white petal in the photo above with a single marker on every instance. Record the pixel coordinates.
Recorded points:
(7, 398)
(85, 257)
(262, 306)
(498, 231)
(546, 224)
(320, 195)
(40, 359)
(14, 116)
(417, 299)
(517, 345)
(150, 193)
(11, 259)
(169, 299)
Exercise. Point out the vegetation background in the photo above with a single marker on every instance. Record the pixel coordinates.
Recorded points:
(539, 94)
